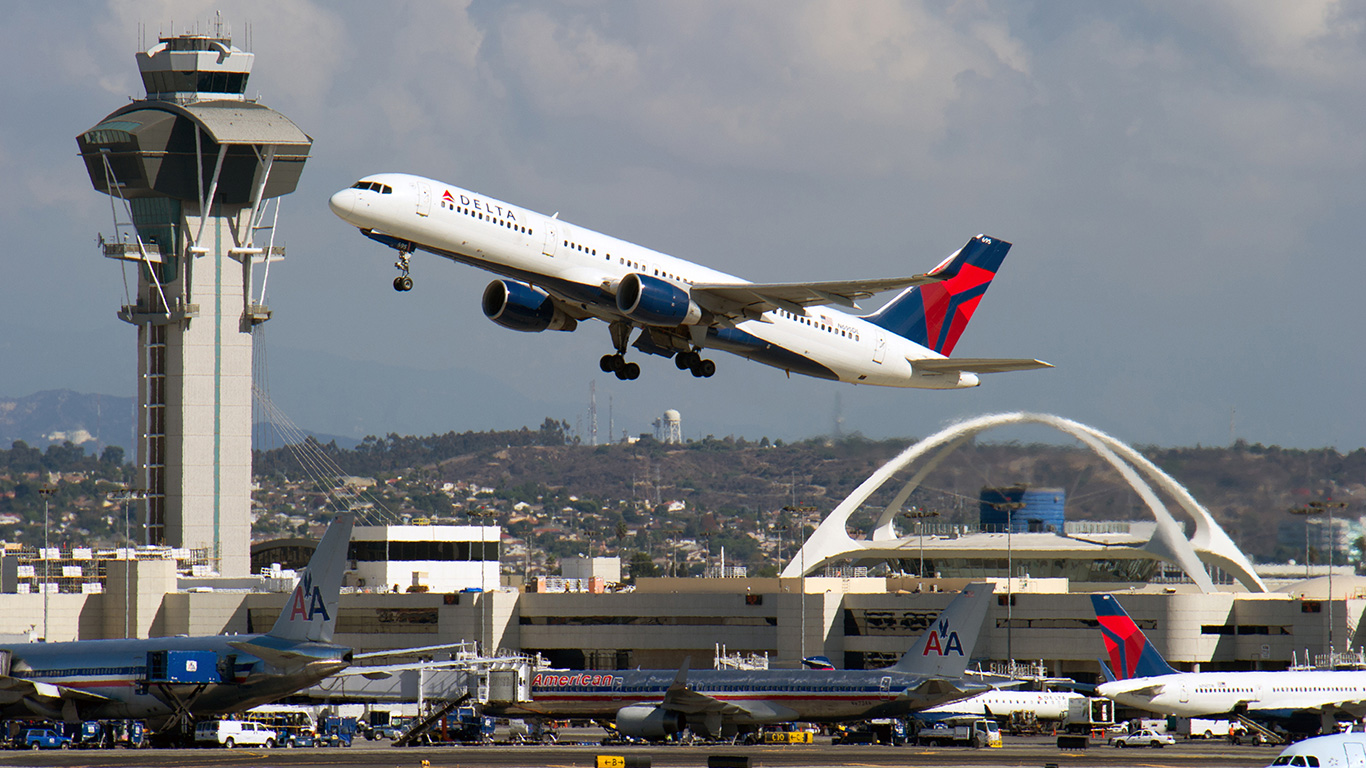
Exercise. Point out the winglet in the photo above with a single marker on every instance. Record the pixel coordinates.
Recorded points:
(1131, 653)
(311, 611)
(946, 647)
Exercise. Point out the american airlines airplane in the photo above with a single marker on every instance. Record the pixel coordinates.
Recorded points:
(654, 704)
(1301, 701)
(555, 274)
(168, 679)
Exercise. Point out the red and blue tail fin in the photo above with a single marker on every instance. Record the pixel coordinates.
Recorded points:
(1131, 653)
(934, 315)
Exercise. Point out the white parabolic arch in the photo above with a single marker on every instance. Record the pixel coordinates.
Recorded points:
(1209, 546)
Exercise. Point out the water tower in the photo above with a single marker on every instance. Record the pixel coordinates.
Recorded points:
(190, 171)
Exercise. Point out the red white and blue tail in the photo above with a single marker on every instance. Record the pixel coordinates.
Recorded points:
(935, 315)
(1131, 653)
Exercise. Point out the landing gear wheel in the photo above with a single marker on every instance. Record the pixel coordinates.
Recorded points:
(708, 368)
(683, 360)
(609, 363)
(628, 371)
(403, 283)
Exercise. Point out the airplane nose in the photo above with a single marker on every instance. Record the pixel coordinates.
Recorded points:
(342, 202)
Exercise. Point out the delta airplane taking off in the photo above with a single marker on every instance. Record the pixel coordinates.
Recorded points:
(1303, 701)
(555, 274)
(653, 704)
(165, 680)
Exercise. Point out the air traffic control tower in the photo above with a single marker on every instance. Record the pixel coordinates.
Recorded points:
(191, 170)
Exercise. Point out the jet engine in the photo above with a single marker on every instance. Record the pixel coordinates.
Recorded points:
(652, 301)
(522, 307)
(646, 722)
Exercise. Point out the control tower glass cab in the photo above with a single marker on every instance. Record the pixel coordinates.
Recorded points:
(193, 168)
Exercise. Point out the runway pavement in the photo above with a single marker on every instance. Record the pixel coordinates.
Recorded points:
(1032, 752)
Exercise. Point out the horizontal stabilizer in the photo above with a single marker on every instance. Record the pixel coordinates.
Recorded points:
(280, 658)
(976, 365)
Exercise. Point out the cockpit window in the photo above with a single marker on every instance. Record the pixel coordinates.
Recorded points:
(374, 186)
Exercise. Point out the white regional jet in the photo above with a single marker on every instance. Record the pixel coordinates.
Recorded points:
(1302, 702)
(555, 274)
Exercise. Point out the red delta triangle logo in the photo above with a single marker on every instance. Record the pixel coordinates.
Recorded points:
(307, 601)
(950, 644)
(448, 197)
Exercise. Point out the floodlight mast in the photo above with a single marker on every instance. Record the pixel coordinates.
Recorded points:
(190, 170)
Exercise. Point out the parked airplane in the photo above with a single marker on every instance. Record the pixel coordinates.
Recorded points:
(1301, 701)
(1044, 705)
(655, 703)
(169, 680)
(556, 274)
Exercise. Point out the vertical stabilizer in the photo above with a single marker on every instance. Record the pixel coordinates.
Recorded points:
(934, 315)
(311, 612)
(1131, 653)
(946, 647)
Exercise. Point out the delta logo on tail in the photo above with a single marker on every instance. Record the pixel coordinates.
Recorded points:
(948, 306)
(1131, 654)
(307, 601)
(950, 643)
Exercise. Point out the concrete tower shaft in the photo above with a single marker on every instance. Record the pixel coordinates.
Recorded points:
(192, 167)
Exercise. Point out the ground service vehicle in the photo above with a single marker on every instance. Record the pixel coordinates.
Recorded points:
(42, 738)
(336, 731)
(1086, 715)
(234, 733)
(1206, 728)
(982, 732)
(1143, 738)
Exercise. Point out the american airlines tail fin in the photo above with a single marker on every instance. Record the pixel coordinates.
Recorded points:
(934, 315)
(311, 612)
(1131, 653)
(944, 649)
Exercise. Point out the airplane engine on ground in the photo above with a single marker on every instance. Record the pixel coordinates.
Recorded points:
(646, 722)
(652, 301)
(522, 307)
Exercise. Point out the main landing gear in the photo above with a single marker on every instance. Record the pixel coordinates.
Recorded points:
(617, 364)
(691, 361)
(403, 282)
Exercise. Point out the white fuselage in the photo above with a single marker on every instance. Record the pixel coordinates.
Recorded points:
(1193, 694)
(581, 269)
(1045, 705)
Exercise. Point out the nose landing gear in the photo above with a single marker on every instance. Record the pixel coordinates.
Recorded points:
(403, 282)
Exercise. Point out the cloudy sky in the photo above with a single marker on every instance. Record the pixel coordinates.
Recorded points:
(1183, 183)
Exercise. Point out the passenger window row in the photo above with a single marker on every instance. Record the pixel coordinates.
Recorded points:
(480, 215)
(805, 320)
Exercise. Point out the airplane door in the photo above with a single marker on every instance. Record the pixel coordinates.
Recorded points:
(1356, 754)
(552, 237)
(424, 199)
(879, 347)
(1185, 693)
(886, 684)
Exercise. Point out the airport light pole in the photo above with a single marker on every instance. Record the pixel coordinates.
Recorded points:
(481, 515)
(1010, 507)
(919, 516)
(125, 497)
(46, 491)
(1317, 508)
(801, 532)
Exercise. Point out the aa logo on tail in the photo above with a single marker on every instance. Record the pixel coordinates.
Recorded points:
(949, 643)
(307, 601)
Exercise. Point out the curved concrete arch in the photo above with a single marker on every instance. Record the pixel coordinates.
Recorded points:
(1210, 545)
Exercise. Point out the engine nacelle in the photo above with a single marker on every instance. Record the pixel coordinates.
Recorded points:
(646, 722)
(652, 301)
(522, 307)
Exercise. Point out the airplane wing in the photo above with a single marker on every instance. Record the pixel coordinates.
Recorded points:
(14, 689)
(976, 364)
(750, 300)
(681, 698)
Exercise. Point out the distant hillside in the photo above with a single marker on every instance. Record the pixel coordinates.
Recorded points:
(59, 415)
(96, 421)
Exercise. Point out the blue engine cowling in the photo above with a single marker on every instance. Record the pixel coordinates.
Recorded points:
(652, 301)
(646, 722)
(522, 307)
